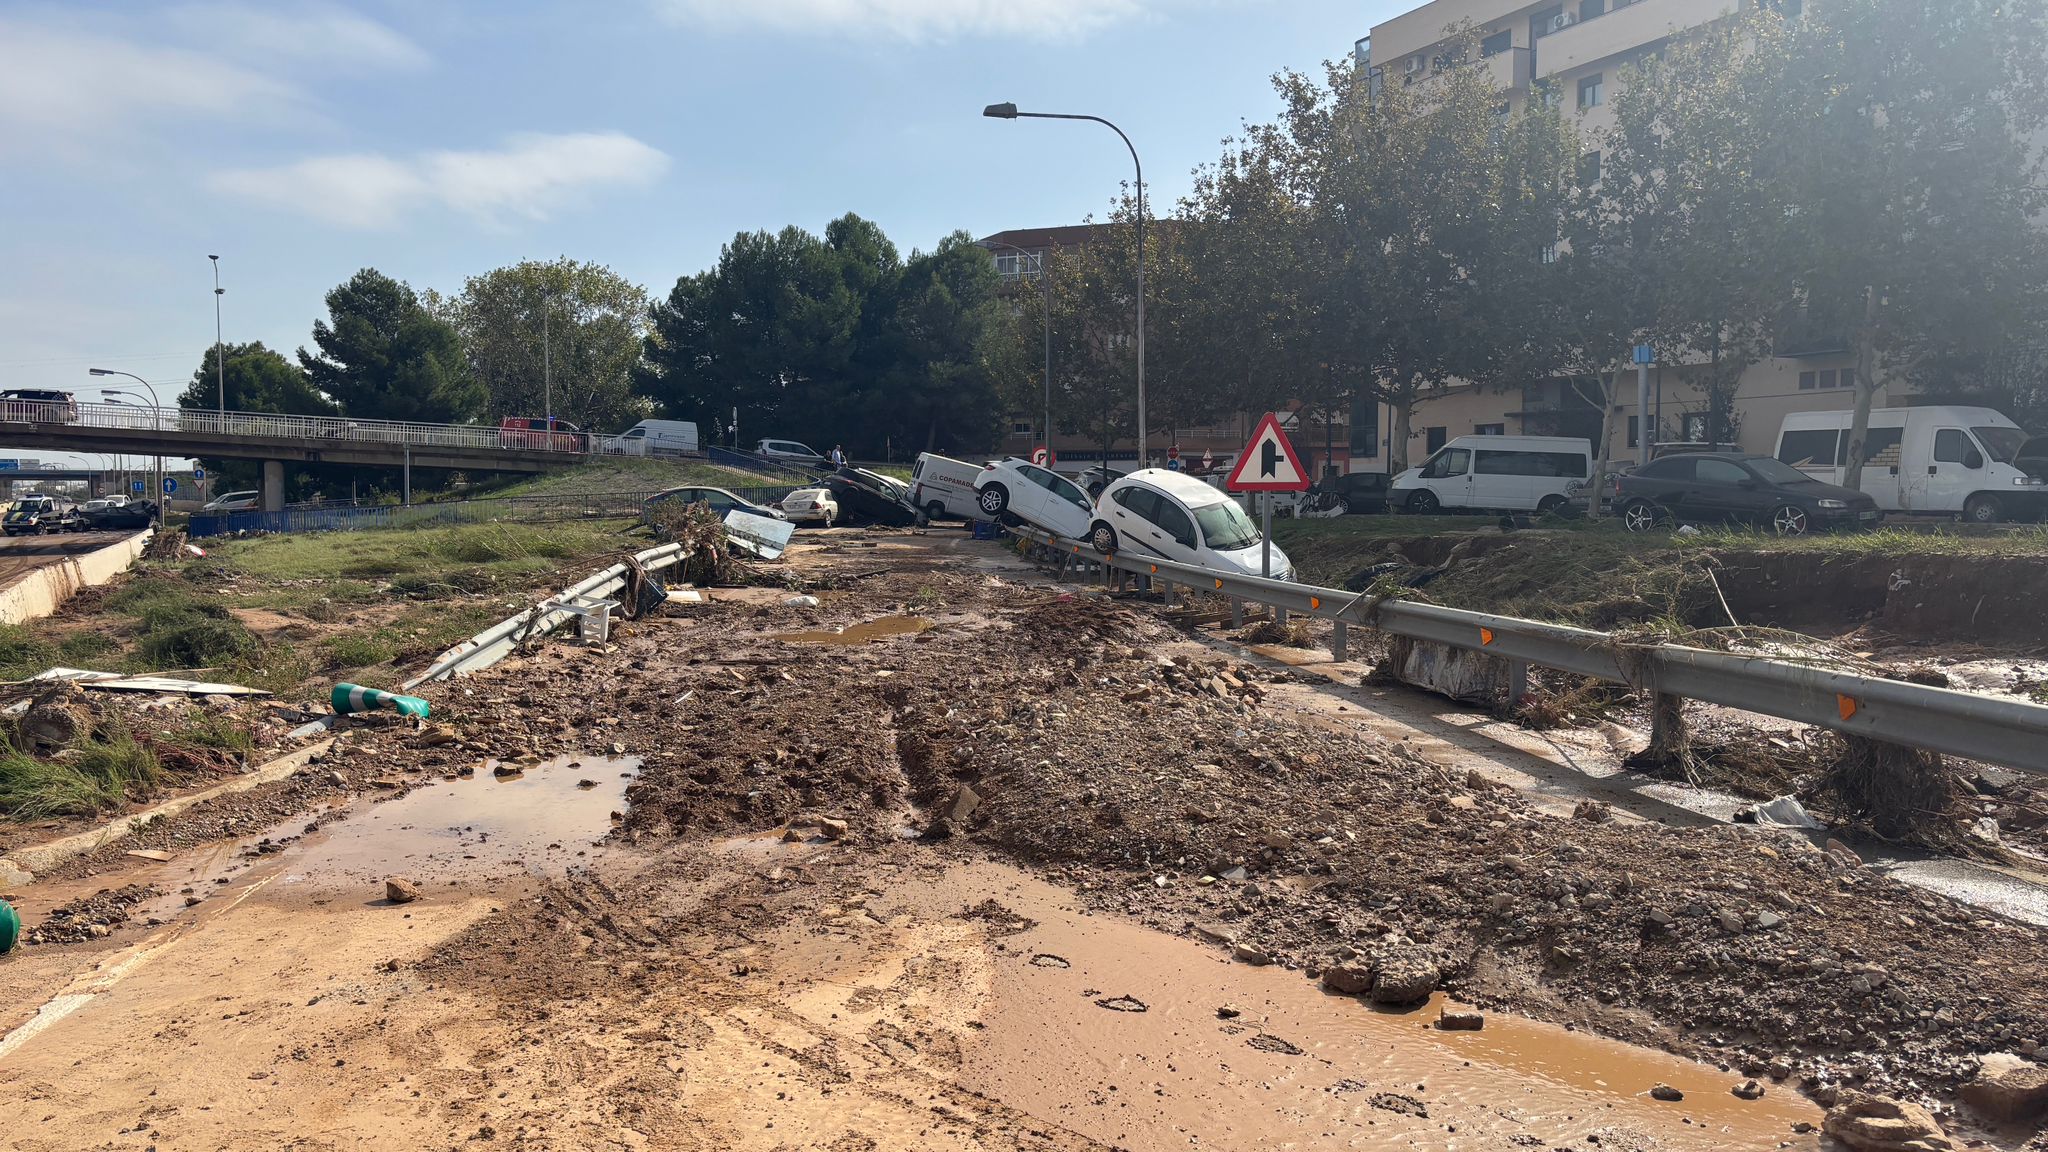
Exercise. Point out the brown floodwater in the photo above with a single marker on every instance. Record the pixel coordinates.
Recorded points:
(884, 628)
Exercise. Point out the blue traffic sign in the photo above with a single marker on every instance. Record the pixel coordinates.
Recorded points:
(10, 465)
(137, 487)
(198, 473)
(170, 485)
(1644, 355)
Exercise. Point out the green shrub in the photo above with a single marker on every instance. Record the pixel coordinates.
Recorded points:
(359, 649)
(196, 642)
(93, 777)
(84, 647)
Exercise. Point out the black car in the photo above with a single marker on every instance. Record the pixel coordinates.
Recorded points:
(864, 501)
(1721, 487)
(1362, 492)
(133, 517)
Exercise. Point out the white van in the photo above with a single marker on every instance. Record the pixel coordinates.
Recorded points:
(1174, 516)
(943, 488)
(1496, 473)
(1932, 459)
(654, 438)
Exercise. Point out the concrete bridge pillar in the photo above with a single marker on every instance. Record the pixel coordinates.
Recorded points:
(273, 486)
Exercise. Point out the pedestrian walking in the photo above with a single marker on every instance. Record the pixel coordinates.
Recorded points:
(838, 457)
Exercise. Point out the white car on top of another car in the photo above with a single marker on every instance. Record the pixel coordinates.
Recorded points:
(1175, 517)
(1044, 499)
(809, 506)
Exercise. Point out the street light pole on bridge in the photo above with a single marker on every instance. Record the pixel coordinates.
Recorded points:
(156, 423)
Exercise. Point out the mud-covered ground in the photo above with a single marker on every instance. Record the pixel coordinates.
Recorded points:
(801, 817)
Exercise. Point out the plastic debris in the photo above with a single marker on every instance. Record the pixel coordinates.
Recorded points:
(1784, 812)
(1687, 530)
(801, 602)
(348, 698)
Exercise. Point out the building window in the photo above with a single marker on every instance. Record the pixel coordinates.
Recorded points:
(1020, 428)
(1829, 378)
(1589, 169)
(1497, 43)
(1591, 8)
(1696, 427)
(1011, 265)
(1593, 91)
(1635, 431)
(1489, 429)
(1434, 438)
(1549, 254)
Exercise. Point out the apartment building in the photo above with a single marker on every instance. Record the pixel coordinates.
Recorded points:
(1569, 56)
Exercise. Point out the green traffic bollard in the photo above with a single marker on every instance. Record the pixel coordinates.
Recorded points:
(10, 927)
(348, 698)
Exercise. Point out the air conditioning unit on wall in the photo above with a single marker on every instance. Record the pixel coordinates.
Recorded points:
(1415, 63)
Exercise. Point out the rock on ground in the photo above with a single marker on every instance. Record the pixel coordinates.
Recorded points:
(1881, 1124)
(2007, 1088)
(400, 890)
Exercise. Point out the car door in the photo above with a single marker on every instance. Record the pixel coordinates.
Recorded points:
(1953, 471)
(1724, 490)
(1135, 512)
(1178, 539)
(1448, 475)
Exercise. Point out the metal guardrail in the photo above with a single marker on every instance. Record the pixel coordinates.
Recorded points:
(524, 509)
(203, 421)
(1942, 720)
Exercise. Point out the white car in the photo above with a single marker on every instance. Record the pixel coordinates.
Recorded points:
(810, 506)
(790, 451)
(1044, 499)
(1176, 517)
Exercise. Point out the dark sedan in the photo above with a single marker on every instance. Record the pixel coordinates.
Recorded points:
(133, 516)
(1719, 487)
(865, 500)
(720, 500)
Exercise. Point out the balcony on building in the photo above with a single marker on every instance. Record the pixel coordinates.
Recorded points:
(1585, 32)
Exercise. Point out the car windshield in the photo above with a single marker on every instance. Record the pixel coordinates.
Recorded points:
(1777, 472)
(2002, 443)
(1225, 527)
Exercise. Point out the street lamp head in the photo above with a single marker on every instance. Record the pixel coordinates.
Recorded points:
(1000, 111)
(99, 372)
(211, 256)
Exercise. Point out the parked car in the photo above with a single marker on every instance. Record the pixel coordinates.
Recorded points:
(38, 406)
(1725, 487)
(37, 514)
(1496, 473)
(897, 489)
(1095, 478)
(654, 437)
(720, 500)
(1938, 458)
(1037, 496)
(810, 506)
(117, 516)
(1363, 493)
(1176, 517)
(942, 487)
(541, 434)
(790, 452)
(232, 502)
(862, 501)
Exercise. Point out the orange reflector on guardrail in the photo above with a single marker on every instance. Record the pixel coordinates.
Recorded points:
(1315, 602)
(1219, 585)
(1154, 568)
(1846, 705)
(1485, 636)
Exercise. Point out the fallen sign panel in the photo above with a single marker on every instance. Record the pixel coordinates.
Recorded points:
(115, 682)
(758, 535)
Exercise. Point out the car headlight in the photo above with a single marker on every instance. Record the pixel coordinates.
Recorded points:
(1832, 503)
(2028, 481)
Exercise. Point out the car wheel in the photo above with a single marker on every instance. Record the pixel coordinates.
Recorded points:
(1640, 516)
(1788, 520)
(1982, 510)
(1423, 502)
(934, 511)
(1103, 537)
(1549, 504)
(993, 499)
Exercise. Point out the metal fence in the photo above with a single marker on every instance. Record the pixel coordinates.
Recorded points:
(204, 421)
(1953, 723)
(522, 509)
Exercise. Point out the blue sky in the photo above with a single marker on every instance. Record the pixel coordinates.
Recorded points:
(436, 139)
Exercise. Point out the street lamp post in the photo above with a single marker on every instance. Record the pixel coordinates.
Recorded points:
(156, 423)
(1010, 112)
(1045, 291)
(220, 363)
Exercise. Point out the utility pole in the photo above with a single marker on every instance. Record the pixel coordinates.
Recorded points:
(220, 363)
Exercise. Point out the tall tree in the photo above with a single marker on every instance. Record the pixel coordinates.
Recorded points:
(1904, 156)
(383, 356)
(560, 330)
(257, 379)
(958, 360)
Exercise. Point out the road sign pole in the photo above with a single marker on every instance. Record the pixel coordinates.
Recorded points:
(1266, 532)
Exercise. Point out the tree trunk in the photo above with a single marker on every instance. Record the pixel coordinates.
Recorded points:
(1403, 404)
(1603, 451)
(1866, 391)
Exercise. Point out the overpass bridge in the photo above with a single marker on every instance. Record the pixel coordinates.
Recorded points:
(276, 440)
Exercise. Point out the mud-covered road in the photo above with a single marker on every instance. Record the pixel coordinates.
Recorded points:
(1018, 866)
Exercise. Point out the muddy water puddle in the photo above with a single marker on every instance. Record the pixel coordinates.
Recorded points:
(1147, 1060)
(885, 628)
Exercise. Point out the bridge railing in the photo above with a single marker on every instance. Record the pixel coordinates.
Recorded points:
(210, 422)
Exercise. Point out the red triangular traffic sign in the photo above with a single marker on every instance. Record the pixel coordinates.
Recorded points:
(1268, 462)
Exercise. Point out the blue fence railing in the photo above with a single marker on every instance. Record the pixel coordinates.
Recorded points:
(521, 509)
(765, 465)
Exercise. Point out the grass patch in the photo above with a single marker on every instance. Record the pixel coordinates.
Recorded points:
(359, 649)
(93, 777)
(357, 558)
(620, 476)
(212, 730)
(23, 653)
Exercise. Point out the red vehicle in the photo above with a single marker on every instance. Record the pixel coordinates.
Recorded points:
(541, 434)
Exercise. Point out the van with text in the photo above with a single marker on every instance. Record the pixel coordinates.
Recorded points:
(1969, 462)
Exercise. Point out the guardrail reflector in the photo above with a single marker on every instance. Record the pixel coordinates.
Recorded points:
(1219, 585)
(1846, 705)
(1485, 636)
(1154, 568)
(1315, 602)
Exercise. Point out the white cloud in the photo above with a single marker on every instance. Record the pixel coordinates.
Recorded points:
(64, 82)
(309, 33)
(531, 177)
(914, 19)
